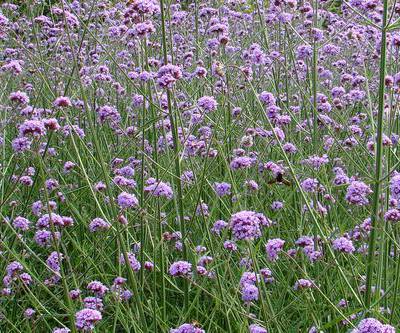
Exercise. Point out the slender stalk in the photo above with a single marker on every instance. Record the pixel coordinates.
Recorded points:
(378, 161)
(175, 139)
(314, 79)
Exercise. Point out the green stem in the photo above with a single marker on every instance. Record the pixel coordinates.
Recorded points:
(378, 161)
(175, 139)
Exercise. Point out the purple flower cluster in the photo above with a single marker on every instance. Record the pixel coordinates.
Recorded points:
(86, 319)
(372, 325)
(245, 225)
(273, 247)
(180, 268)
(357, 193)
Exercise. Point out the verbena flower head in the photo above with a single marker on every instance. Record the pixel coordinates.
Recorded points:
(369, 325)
(253, 328)
(133, 262)
(180, 268)
(168, 75)
(98, 288)
(249, 293)
(343, 244)
(61, 330)
(222, 189)
(62, 101)
(357, 193)
(21, 223)
(127, 200)
(303, 284)
(207, 104)
(245, 225)
(99, 224)
(86, 319)
(273, 247)
(159, 189)
(187, 328)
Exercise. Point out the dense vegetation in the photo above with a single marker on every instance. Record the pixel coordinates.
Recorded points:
(199, 166)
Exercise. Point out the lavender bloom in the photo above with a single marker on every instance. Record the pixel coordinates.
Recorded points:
(309, 185)
(19, 97)
(392, 215)
(267, 275)
(108, 113)
(303, 284)
(252, 185)
(230, 246)
(267, 98)
(357, 193)
(34, 128)
(369, 325)
(219, 226)
(253, 328)
(53, 261)
(159, 189)
(277, 205)
(99, 224)
(245, 225)
(86, 319)
(241, 162)
(74, 294)
(273, 247)
(395, 186)
(316, 162)
(202, 209)
(21, 223)
(168, 75)
(20, 145)
(222, 189)
(61, 330)
(249, 293)
(343, 244)
(62, 102)
(98, 288)
(133, 262)
(44, 238)
(29, 313)
(127, 200)
(187, 328)
(248, 278)
(180, 268)
(14, 268)
(207, 104)
(93, 303)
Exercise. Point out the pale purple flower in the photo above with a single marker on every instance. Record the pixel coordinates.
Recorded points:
(207, 104)
(187, 328)
(273, 247)
(245, 225)
(98, 224)
(253, 328)
(357, 193)
(222, 189)
(219, 226)
(98, 288)
(127, 200)
(133, 262)
(62, 102)
(249, 293)
(21, 223)
(180, 268)
(343, 244)
(159, 189)
(86, 319)
(303, 284)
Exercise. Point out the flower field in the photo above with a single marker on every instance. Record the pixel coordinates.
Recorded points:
(200, 166)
